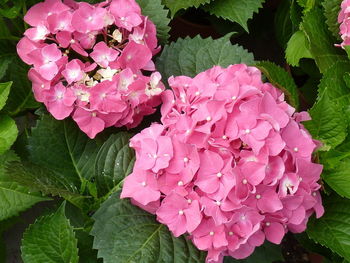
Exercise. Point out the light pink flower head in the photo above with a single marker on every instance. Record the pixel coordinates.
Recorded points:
(93, 62)
(230, 165)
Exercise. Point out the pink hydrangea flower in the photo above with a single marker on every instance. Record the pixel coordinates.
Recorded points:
(103, 55)
(73, 71)
(88, 18)
(93, 62)
(59, 101)
(126, 13)
(343, 20)
(142, 186)
(45, 61)
(179, 214)
(230, 165)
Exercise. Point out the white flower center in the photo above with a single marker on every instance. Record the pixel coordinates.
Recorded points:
(73, 74)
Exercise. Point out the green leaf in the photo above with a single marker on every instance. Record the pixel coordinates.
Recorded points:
(192, 56)
(347, 50)
(327, 124)
(5, 61)
(297, 48)
(336, 172)
(267, 253)
(334, 81)
(8, 133)
(306, 4)
(339, 178)
(114, 161)
(5, 159)
(63, 148)
(176, 5)
(37, 178)
(50, 240)
(331, 11)
(14, 11)
(239, 11)
(320, 41)
(295, 14)
(282, 80)
(4, 93)
(333, 229)
(158, 15)
(14, 198)
(21, 95)
(4, 30)
(307, 243)
(283, 22)
(125, 233)
(86, 253)
(334, 157)
(82, 225)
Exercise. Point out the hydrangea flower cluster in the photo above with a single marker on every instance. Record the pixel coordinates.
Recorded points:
(93, 62)
(343, 20)
(230, 164)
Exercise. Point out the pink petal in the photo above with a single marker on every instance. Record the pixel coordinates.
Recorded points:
(269, 202)
(274, 232)
(48, 71)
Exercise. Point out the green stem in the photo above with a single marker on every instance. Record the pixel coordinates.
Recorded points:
(113, 190)
(78, 228)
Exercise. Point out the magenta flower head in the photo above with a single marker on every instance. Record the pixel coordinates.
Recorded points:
(230, 165)
(93, 62)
